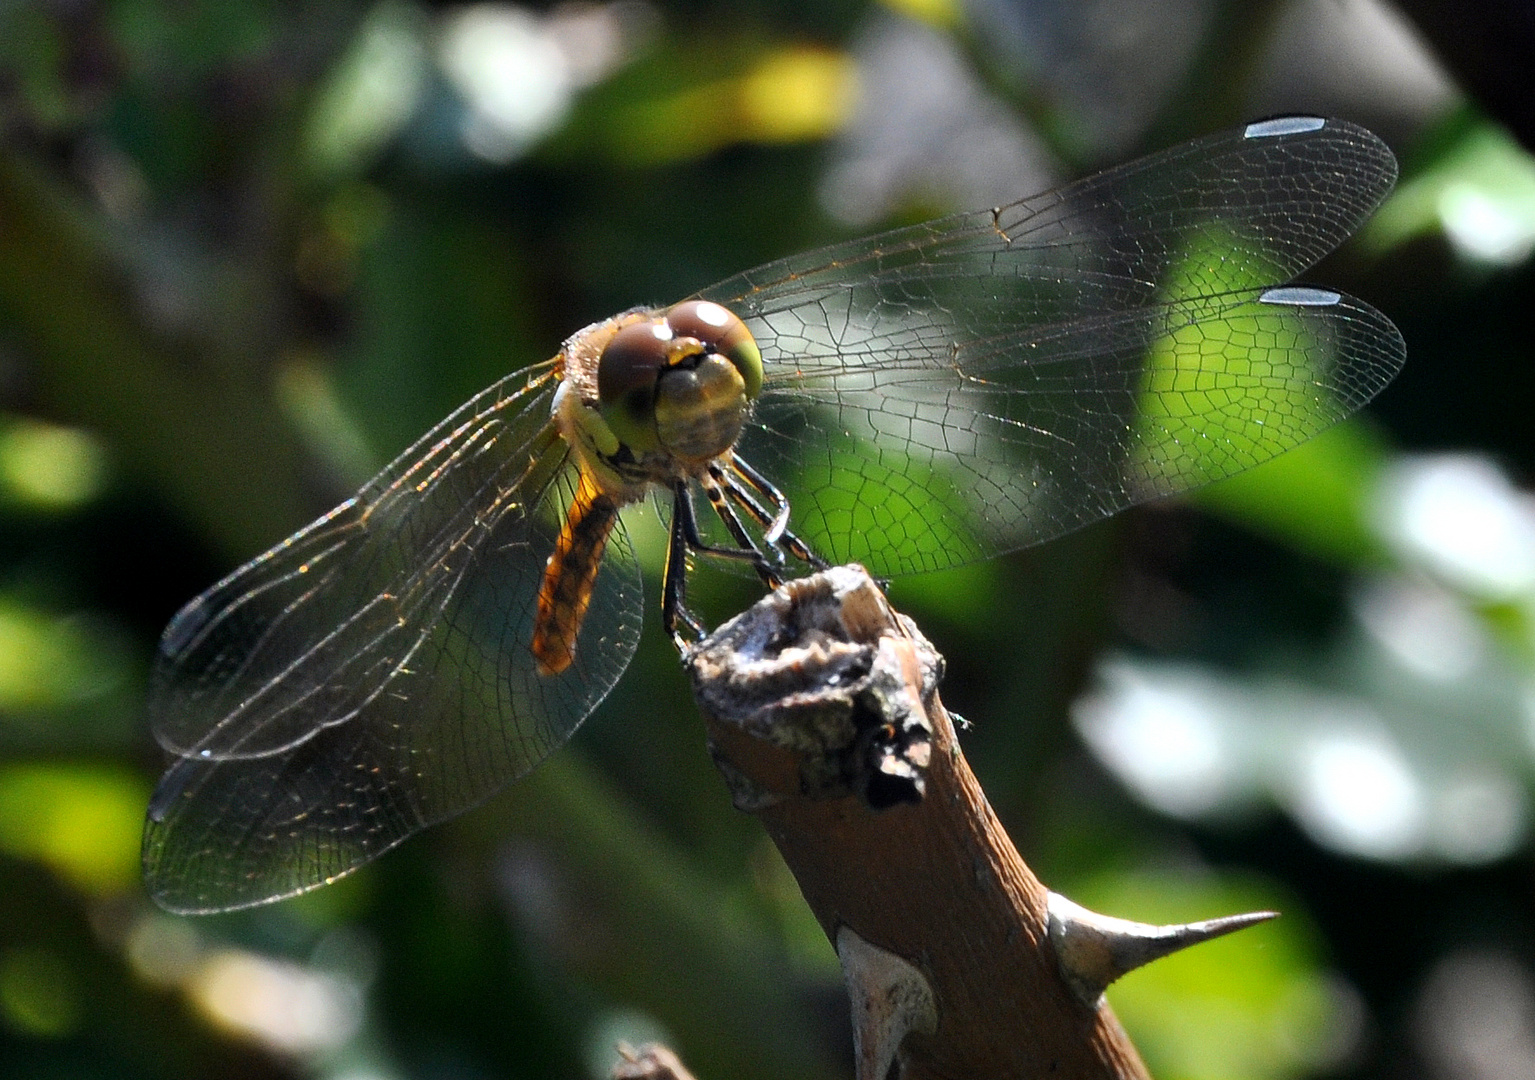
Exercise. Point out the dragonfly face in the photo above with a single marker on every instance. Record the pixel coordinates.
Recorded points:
(926, 397)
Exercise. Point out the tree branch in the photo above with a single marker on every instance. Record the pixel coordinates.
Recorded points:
(823, 716)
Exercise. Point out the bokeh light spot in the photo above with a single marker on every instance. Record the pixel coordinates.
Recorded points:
(83, 821)
(285, 1006)
(50, 467)
(1162, 739)
(1356, 793)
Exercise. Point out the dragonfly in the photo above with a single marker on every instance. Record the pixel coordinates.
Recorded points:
(914, 400)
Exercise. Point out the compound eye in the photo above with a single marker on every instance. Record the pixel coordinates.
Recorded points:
(632, 360)
(720, 331)
(627, 372)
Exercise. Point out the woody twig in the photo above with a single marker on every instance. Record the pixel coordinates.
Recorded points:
(823, 716)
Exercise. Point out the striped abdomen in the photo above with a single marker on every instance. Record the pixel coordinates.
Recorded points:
(572, 570)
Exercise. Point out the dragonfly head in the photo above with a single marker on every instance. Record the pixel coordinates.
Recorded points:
(680, 383)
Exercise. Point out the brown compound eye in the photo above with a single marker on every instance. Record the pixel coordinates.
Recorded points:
(720, 331)
(627, 372)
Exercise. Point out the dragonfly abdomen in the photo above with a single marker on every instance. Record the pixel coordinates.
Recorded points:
(570, 574)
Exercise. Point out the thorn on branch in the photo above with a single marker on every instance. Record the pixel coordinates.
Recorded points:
(1094, 950)
(890, 1000)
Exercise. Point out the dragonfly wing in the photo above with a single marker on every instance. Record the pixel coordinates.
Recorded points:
(952, 454)
(1245, 208)
(986, 374)
(374, 674)
(305, 635)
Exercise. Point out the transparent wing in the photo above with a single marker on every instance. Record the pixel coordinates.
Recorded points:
(372, 674)
(944, 392)
(1024, 437)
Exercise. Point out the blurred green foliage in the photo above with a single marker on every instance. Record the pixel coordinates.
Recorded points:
(249, 251)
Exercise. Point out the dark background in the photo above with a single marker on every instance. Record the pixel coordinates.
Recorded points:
(249, 250)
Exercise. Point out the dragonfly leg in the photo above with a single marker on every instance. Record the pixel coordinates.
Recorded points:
(685, 539)
(780, 524)
(727, 513)
(682, 510)
(725, 493)
(674, 585)
(775, 525)
(755, 510)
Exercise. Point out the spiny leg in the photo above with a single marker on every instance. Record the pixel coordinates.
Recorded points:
(780, 524)
(787, 542)
(685, 539)
(755, 510)
(748, 551)
(776, 521)
(674, 580)
(727, 513)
